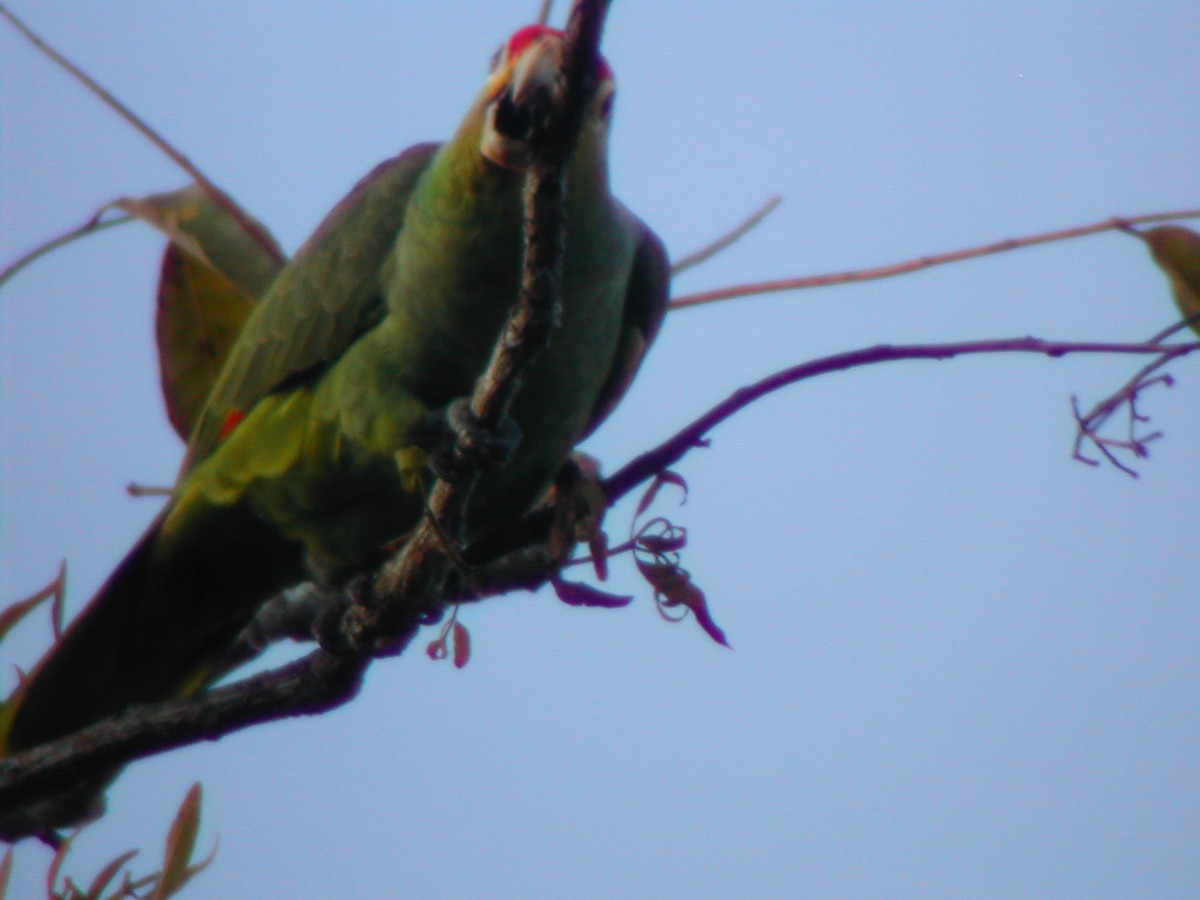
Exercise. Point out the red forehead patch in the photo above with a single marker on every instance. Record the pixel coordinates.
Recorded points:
(526, 36)
(520, 41)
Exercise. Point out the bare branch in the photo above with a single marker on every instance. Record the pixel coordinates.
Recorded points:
(676, 447)
(319, 682)
(728, 239)
(925, 262)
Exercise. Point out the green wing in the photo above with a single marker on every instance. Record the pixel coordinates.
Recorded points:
(646, 298)
(327, 296)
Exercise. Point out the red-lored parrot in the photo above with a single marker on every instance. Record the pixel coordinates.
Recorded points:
(306, 453)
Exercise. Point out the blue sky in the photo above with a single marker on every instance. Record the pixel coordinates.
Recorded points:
(965, 665)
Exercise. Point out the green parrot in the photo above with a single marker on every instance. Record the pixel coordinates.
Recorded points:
(308, 453)
(1177, 251)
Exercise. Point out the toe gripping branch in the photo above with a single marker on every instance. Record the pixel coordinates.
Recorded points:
(468, 445)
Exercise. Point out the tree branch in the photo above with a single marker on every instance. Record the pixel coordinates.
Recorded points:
(752, 289)
(325, 679)
(670, 451)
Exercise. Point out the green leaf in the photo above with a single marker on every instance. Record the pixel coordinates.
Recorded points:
(213, 272)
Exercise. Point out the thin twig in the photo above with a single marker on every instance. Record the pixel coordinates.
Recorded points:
(1087, 427)
(91, 226)
(924, 262)
(731, 237)
(219, 196)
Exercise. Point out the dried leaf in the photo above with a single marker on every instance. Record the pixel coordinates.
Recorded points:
(667, 477)
(598, 549)
(6, 865)
(203, 228)
(462, 644)
(108, 873)
(19, 610)
(698, 604)
(663, 543)
(660, 537)
(437, 649)
(675, 588)
(181, 841)
(575, 594)
(678, 480)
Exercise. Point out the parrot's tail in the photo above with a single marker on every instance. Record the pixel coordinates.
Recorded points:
(152, 632)
(101, 664)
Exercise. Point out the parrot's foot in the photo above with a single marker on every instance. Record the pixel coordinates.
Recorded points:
(468, 445)
(329, 626)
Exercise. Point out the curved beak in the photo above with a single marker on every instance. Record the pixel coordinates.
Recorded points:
(522, 92)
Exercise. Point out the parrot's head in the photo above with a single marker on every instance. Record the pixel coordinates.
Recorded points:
(517, 95)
